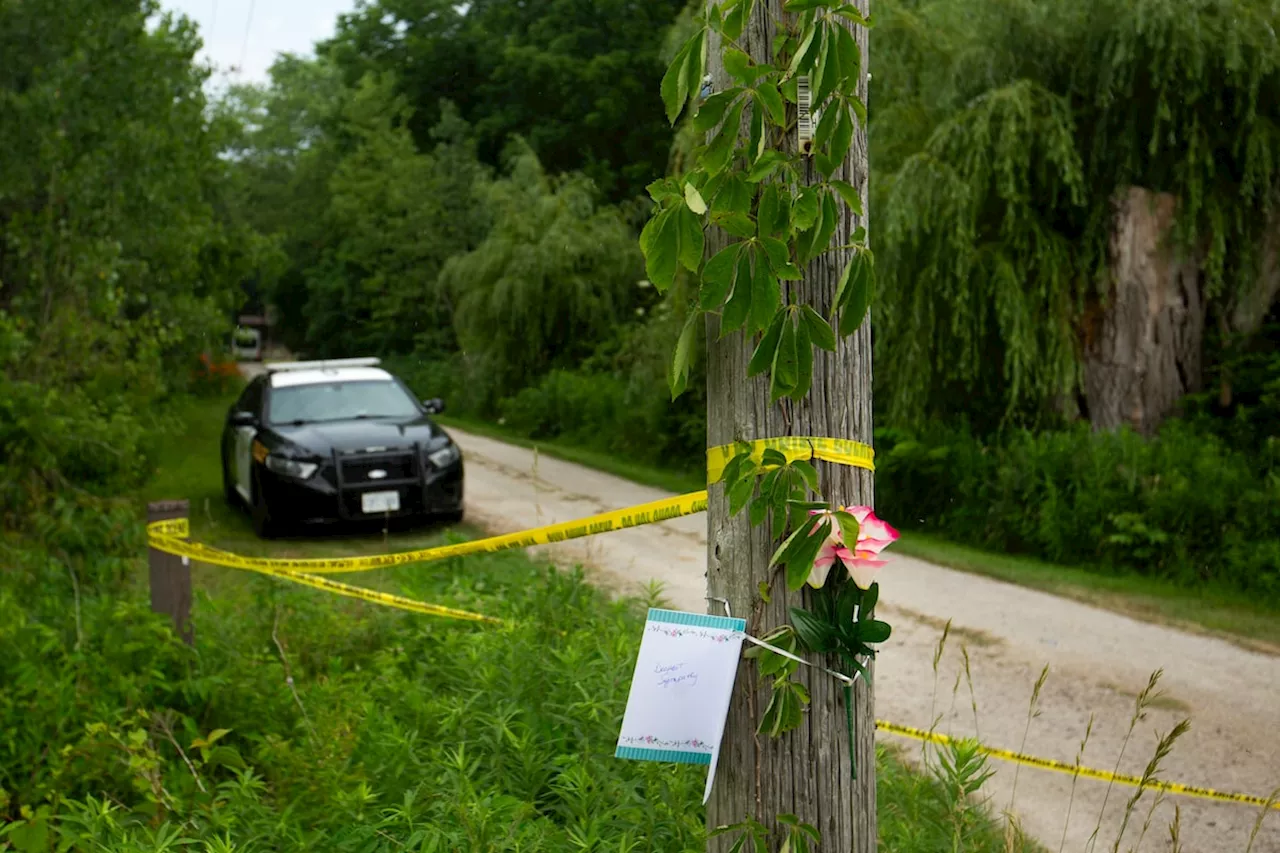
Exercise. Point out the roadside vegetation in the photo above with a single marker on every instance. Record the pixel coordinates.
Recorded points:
(300, 721)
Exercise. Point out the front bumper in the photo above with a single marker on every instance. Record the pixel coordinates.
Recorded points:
(333, 492)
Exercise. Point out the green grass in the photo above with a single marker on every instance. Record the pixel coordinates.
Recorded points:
(345, 725)
(1229, 616)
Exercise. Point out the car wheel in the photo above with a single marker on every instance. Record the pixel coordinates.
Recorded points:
(454, 517)
(263, 524)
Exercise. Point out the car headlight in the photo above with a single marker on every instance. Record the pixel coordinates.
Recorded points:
(444, 457)
(291, 467)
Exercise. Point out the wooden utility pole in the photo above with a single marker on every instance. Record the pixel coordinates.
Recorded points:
(170, 575)
(805, 772)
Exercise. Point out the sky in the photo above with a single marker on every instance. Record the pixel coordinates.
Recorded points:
(273, 27)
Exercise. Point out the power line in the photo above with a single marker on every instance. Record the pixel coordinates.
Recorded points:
(244, 48)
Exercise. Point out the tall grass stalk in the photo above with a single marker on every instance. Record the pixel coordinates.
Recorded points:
(1148, 695)
(1163, 747)
(1262, 815)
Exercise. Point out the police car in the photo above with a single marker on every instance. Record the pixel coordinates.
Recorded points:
(319, 441)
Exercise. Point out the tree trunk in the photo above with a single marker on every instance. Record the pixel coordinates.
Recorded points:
(1143, 351)
(805, 772)
(1250, 308)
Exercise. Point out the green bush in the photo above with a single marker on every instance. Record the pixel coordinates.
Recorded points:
(1182, 506)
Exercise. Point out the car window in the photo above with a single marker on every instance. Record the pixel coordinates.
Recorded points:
(336, 401)
(251, 399)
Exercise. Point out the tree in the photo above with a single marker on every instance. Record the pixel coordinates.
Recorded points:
(798, 278)
(1034, 152)
(570, 77)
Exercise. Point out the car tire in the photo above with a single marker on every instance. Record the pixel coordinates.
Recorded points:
(264, 525)
(454, 517)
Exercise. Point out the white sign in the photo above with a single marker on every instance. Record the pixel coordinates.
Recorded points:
(681, 689)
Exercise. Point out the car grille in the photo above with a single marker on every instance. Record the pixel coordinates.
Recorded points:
(356, 470)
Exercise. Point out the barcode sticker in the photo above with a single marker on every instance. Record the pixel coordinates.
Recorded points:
(804, 118)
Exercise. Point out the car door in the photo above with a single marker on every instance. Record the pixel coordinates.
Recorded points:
(242, 440)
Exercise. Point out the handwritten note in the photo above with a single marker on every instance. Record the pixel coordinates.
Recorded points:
(681, 689)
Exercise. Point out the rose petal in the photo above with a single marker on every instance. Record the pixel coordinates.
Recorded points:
(873, 546)
(864, 572)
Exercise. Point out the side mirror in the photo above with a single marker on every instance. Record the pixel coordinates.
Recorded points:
(434, 406)
(243, 419)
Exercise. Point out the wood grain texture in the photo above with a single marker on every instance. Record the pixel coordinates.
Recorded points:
(170, 575)
(805, 772)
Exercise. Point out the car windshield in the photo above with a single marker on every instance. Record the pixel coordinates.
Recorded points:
(338, 401)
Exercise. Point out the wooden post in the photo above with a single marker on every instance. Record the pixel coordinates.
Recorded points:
(805, 772)
(170, 574)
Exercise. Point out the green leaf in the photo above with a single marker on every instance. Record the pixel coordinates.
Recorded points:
(830, 219)
(808, 473)
(663, 189)
(695, 63)
(737, 224)
(675, 86)
(804, 362)
(802, 49)
(773, 457)
(759, 512)
(765, 296)
(767, 213)
(679, 376)
(875, 631)
(734, 22)
(771, 99)
(692, 242)
(693, 199)
(849, 11)
(826, 69)
(756, 137)
(712, 110)
(762, 358)
(738, 64)
(739, 304)
(806, 5)
(765, 166)
(869, 600)
(660, 243)
(827, 122)
(841, 139)
(849, 195)
(804, 213)
(740, 493)
(819, 330)
(719, 151)
(848, 56)
(763, 589)
(849, 528)
(734, 197)
(717, 277)
(785, 363)
(792, 544)
(854, 292)
(780, 259)
(816, 635)
(227, 756)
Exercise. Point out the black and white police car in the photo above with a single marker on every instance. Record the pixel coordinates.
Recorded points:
(316, 441)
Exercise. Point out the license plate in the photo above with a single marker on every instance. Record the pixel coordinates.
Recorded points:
(380, 501)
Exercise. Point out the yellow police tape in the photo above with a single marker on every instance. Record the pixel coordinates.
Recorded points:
(170, 536)
(1090, 772)
(839, 451)
(165, 536)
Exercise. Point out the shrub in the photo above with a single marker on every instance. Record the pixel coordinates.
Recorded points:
(1182, 506)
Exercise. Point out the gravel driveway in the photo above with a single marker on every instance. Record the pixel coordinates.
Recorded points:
(1098, 662)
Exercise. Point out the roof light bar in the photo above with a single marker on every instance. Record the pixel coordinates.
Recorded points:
(327, 364)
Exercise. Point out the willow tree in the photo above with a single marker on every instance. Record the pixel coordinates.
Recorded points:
(1074, 191)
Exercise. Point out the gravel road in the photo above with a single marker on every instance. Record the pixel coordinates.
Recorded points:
(1098, 662)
